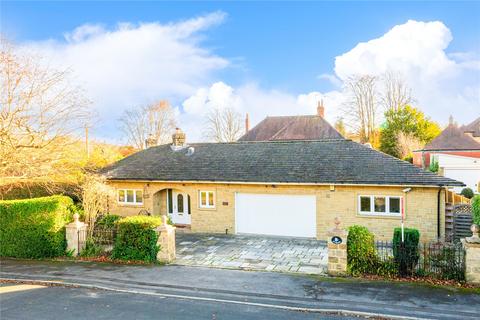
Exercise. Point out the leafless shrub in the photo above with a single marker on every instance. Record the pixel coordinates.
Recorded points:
(95, 197)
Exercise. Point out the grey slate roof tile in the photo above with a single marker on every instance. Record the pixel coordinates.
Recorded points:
(321, 161)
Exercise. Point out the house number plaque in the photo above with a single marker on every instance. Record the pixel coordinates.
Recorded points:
(336, 240)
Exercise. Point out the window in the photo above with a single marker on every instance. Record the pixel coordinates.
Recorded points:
(169, 200)
(394, 203)
(130, 196)
(365, 204)
(180, 203)
(207, 199)
(380, 205)
(121, 195)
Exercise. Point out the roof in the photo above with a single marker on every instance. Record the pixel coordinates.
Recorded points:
(473, 127)
(453, 138)
(309, 127)
(308, 162)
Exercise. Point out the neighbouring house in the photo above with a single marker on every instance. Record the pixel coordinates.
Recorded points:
(457, 152)
(282, 128)
(281, 188)
(464, 169)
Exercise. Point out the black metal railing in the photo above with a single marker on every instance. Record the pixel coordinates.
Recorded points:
(104, 236)
(436, 259)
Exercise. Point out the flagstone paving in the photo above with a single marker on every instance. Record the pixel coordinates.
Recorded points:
(279, 254)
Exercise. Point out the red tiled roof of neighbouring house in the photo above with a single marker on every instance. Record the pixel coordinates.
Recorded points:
(308, 127)
(453, 138)
(473, 127)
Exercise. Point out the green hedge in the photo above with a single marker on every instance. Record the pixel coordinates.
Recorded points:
(107, 221)
(467, 193)
(476, 209)
(406, 255)
(34, 228)
(361, 251)
(137, 239)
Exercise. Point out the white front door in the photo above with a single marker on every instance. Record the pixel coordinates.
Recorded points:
(276, 214)
(180, 213)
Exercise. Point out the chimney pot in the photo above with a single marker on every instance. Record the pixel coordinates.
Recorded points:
(247, 123)
(320, 109)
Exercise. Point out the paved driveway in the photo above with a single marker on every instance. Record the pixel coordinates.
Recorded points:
(252, 253)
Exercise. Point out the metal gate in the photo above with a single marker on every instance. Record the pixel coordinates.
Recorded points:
(462, 221)
(82, 239)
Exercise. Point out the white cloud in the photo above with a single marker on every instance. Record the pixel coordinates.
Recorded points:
(334, 80)
(134, 64)
(255, 101)
(442, 84)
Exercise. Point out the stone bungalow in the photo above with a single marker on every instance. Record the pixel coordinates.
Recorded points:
(282, 188)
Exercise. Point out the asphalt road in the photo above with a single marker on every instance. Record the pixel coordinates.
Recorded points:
(197, 290)
(41, 302)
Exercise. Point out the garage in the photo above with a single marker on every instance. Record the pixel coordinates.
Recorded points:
(276, 214)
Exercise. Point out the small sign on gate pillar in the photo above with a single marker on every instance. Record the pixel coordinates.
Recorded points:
(337, 250)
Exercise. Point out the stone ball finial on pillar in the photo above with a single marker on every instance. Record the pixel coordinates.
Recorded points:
(337, 222)
(474, 238)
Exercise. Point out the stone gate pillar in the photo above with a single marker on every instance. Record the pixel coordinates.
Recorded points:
(166, 241)
(472, 256)
(337, 250)
(76, 233)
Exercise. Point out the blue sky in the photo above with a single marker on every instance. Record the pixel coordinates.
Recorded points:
(262, 52)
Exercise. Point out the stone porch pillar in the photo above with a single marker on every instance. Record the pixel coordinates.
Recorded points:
(76, 233)
(472, 257)
(337, 250)
(166, 241)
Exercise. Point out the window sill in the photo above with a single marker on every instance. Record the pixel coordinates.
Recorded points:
(383, 216)
(133, 205)
(207, 209)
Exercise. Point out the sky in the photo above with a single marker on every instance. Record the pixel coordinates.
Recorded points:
(260, 58)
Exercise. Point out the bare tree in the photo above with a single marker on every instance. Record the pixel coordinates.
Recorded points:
(155, 121)
(396, 93)
(361, 108)
(223, 125)
(40, 111)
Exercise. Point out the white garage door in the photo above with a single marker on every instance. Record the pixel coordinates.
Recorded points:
(279, 215)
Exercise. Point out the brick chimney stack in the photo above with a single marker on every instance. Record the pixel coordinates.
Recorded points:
(150, 141)
(247, 123)
(178, 139)
(320, 109)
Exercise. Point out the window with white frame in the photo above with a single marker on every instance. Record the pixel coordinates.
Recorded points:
(207, 199)
(380, 205)
(130, 196)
